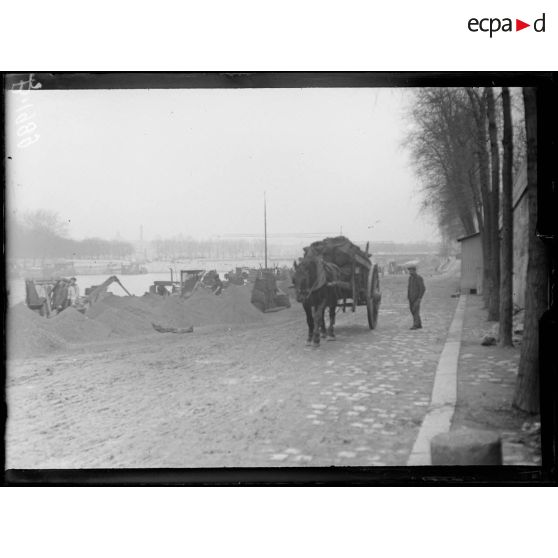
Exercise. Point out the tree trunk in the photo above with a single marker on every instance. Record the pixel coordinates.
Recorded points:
(506, 276)
(494, 208)
(526, 395)
(478, 107)
(473, 186)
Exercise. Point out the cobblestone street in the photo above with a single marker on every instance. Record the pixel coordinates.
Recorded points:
(236, 396)
(369, 390)
(254, 399)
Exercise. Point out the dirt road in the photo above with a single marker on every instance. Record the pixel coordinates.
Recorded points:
(247, 396)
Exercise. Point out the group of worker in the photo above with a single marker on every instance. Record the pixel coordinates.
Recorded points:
(52, 298)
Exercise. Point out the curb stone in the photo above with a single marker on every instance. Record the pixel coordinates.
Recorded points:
(444, 392)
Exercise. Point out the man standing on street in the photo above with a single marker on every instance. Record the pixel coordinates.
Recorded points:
(415, 292)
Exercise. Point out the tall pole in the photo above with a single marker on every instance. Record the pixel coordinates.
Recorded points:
(265, 232)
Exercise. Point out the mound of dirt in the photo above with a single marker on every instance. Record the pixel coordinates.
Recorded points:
(202, 308)
(134, 305)
(74, 327)
(129, 316)
(231, 307)
(151, 300)
(123, 323)
(28, 334)
(172, 312)
(127, 302)
(97, 309)
(116, 316)
(238, 307)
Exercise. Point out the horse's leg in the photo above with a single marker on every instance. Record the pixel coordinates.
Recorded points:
(331, 303)
(317, 312)
(309, 321)
(331, 330)
(323, 331)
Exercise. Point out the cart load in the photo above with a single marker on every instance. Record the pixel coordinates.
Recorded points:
(340, 251)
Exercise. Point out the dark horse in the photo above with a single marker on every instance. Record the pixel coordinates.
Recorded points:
(315, 285)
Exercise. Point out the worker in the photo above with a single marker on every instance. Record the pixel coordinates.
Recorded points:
(73, 292)
(415, 292)
(161, 290)
(217, 284)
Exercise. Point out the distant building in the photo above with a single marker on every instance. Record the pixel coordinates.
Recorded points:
(471, 264)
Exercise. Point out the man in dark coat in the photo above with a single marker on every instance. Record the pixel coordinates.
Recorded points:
(415, 292)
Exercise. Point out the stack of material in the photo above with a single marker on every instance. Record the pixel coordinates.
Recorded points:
(340, 251)
(343, 256)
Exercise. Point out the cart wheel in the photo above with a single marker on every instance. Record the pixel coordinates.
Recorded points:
(373, 297)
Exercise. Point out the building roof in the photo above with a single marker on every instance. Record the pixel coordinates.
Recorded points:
(467, 237)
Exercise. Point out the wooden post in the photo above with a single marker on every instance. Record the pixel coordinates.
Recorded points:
(265, 232)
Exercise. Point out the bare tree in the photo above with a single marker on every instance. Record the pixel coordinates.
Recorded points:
(478, 104)
(506, 282)
(46, 222)
(440, 144)
(39, 235)
(494, 209)
(42, 235)
(526, 396)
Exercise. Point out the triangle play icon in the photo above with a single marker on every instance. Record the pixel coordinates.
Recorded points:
(519, 25)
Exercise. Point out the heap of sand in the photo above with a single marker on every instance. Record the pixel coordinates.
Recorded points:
(30, 334)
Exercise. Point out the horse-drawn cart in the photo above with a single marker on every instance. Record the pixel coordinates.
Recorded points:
(356, 277)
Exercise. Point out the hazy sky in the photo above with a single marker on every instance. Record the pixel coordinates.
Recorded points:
(197, 163)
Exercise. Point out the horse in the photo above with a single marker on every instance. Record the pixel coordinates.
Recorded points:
(315, 286)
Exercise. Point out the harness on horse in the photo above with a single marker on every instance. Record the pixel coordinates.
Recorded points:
(327, 274)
